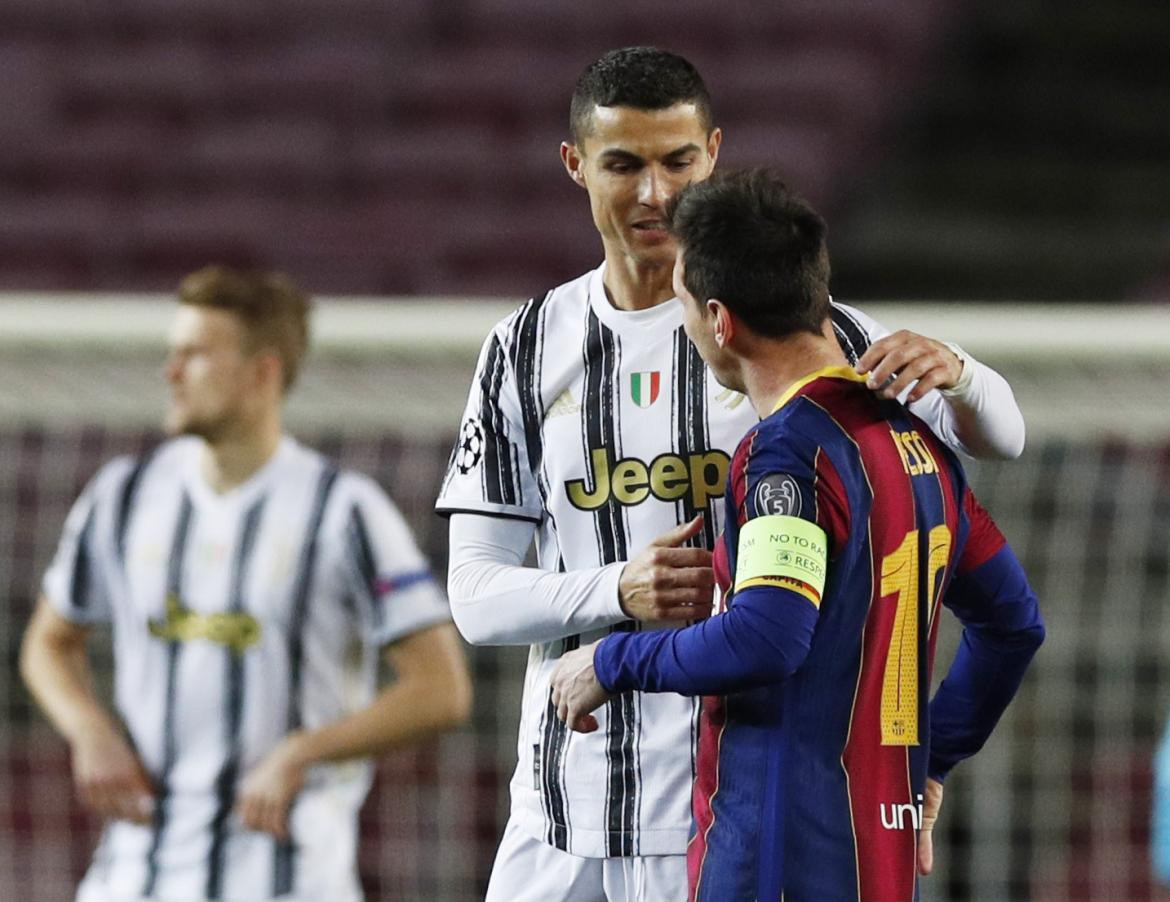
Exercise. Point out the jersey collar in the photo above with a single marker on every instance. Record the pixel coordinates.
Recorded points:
(828, 372)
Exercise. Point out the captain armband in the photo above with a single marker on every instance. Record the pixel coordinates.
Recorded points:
(785, 552)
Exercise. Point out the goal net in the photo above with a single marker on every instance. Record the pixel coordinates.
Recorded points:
(1056, 807)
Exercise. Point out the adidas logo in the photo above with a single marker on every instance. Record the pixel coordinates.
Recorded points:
(564, 404)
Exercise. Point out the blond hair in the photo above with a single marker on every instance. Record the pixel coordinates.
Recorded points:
(272, 309)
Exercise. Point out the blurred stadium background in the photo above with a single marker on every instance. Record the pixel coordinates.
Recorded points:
(1014, 154)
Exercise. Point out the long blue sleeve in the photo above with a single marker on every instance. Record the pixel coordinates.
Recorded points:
(761, 639)
(1002, 628)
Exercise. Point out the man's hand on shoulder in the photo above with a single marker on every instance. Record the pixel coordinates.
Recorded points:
(271, 786)
(896, 361)
(666, 581)
(109, 776)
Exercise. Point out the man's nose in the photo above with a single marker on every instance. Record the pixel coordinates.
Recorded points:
(654, 189)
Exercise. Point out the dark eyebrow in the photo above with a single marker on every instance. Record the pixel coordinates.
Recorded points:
(682, 151)
(616, 155)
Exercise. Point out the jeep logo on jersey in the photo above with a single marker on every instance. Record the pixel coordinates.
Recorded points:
(777, 495)
(668, 477)
(644, 387)
(233, 630)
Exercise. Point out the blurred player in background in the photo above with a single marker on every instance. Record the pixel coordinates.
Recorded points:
(252, 588)
(846, 523)
(594, 426)
(1160, 828)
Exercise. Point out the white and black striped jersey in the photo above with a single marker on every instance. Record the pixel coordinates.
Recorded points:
(237, 618)
(605, 429)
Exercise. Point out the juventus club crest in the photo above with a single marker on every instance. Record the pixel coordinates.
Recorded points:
(644, 387)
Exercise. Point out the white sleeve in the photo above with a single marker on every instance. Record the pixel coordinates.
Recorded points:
(76, 583)
(495, 600)
(383, 567)
(489, 470)
(978, 417)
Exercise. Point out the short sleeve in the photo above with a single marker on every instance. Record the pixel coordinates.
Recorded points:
(387, 575)
(77, 582)
(490, 471)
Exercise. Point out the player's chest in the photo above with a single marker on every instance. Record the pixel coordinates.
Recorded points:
(630, 421)
(219, 573)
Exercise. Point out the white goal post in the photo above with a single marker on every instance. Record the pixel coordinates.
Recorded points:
(1079, 370)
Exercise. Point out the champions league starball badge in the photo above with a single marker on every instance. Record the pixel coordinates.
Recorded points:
(777, 494)
(470, 448)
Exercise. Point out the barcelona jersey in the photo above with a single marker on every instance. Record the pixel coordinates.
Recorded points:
(847, 524)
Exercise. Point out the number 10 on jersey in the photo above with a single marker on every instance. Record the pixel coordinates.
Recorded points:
(899, 714)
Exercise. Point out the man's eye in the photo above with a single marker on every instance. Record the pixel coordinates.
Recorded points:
(621, 168)
(679, 165)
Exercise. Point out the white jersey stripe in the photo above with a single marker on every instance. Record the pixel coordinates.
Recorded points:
(854, 340)
(500, 486)
(362, 556)
(233, 705)
(555, 743)
(126, 499)
(601, 408)
(283, 877)
(528, 339)
(174, 587)
(83, 564)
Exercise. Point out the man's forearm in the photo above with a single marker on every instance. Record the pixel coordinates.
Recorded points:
(400, 715)
(495, 600)
(432, 693)
(762, 639)
(1003, 629)
(499, 604)
(980, 416)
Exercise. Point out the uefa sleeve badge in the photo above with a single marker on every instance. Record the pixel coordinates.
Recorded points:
(470, 446)
(777, 494)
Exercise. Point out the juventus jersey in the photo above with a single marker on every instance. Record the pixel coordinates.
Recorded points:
(605, 429)
(237, 618)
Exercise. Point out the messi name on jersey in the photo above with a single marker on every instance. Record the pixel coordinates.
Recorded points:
(667, 477)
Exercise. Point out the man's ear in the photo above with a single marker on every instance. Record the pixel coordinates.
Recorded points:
(714, 142)
(270, 370)
(574, 162)
(723, 322)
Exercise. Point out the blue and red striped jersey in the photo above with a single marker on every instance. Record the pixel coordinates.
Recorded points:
(816, 736)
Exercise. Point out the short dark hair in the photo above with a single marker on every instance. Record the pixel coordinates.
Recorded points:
(272, 309)
(751, 243)
(644, 78)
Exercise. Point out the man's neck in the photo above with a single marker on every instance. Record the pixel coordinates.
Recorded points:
(632, 285)
(773, 367)
(232, 460)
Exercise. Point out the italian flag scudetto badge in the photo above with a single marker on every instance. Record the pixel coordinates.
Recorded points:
(644, 388)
